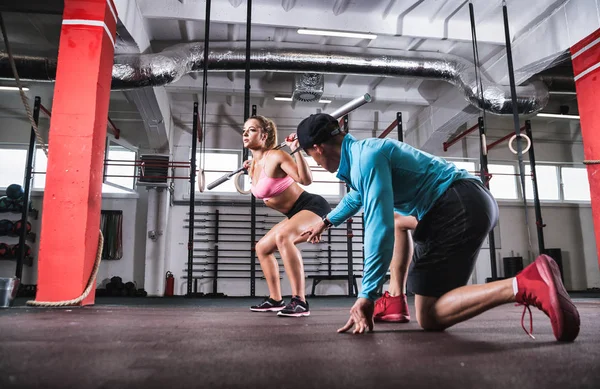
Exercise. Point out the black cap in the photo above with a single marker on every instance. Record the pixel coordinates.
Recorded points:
(317, 128)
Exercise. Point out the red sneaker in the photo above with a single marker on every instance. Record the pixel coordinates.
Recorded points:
(391, 309)
(539, 284)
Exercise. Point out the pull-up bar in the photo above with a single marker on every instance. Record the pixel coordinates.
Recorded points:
(447, 145)
(113, 127)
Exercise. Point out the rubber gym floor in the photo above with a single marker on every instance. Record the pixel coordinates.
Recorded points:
(218, 343)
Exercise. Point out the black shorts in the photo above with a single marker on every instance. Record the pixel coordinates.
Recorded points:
(448, 238)
(310, 202)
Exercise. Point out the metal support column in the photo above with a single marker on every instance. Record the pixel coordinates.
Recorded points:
(484, 174)
(192, 210)
(536, 199)
(27, 189)
(253, 236)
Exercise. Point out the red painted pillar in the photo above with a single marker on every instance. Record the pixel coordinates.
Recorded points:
(586, 65)
(73, 193)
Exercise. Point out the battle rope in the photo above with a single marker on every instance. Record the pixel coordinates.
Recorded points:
(40, 140)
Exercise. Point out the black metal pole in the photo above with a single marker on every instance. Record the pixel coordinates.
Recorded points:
(247, 70)
(513, 96)
(536, 198)
(216, 263)
(253, 233)
(27, 190)
(192, 200)
(329, 252)
(399, 121)
(483, 173)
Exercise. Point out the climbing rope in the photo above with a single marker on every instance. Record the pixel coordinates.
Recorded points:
(591, 162)
(90, 284)
(40, 140)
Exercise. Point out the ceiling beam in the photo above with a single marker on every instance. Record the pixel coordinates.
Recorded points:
(235, 3)
(233, 32)
(287, 5)
(340, 6)
(305, 17)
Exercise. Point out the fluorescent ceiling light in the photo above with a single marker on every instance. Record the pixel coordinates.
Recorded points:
(324, 101)
(12, 88)
(279, 98)
(341, 34)
(558, 116)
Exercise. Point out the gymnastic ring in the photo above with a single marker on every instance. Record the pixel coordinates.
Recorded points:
(201, 180)
(512, 138)
(236, 182)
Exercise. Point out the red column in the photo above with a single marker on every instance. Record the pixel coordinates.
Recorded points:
(586, 65)
(73, 193)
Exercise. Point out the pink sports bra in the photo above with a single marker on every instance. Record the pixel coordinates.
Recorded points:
(268, 187)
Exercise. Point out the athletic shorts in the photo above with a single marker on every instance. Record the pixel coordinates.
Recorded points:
(310, 202)
(448, 238)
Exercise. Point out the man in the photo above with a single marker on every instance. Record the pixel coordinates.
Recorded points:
(455, 213)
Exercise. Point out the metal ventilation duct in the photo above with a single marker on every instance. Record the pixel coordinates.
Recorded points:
(308, 87)
(140, 70)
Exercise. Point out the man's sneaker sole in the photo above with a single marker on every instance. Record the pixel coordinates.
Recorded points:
(392, 318)
(299, 314)
(274, 309)
(566, 323)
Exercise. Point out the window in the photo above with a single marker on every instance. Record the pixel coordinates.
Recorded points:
(41, 165)
(39, 169)
(547, 182)
(217, 164)
(324, 183)
(12, 166)
(120, 169)
(503, 184)
(575, 184)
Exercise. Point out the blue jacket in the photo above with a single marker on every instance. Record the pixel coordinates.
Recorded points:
(384, 176)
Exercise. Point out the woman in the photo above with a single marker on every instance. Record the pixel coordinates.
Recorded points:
(275, 176)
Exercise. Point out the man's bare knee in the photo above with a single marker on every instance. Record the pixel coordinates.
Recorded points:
(429, 324)
(426, 314)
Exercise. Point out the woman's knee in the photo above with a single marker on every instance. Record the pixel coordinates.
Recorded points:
(283, 237)
(264, 247)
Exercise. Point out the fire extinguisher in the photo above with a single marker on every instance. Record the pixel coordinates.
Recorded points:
(169, 284)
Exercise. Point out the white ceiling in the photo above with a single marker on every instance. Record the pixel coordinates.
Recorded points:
(440, 26)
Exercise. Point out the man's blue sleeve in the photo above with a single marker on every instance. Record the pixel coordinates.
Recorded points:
(348, 206)
(375, 187)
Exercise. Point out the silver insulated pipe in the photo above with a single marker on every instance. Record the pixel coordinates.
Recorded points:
(140, 70)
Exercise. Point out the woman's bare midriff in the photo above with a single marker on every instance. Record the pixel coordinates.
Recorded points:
(284, 201)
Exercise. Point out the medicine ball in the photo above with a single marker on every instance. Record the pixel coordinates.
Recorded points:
(18, 227)
(6, 227)
(14, 191)
(5, 203)
(4, 250)
(16, 251)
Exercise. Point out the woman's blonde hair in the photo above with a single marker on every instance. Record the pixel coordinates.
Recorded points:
(270, 128)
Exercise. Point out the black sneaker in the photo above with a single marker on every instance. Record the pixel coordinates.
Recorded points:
(268, 305)
(296, 308)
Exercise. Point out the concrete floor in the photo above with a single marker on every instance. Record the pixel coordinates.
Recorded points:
(219, 343)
